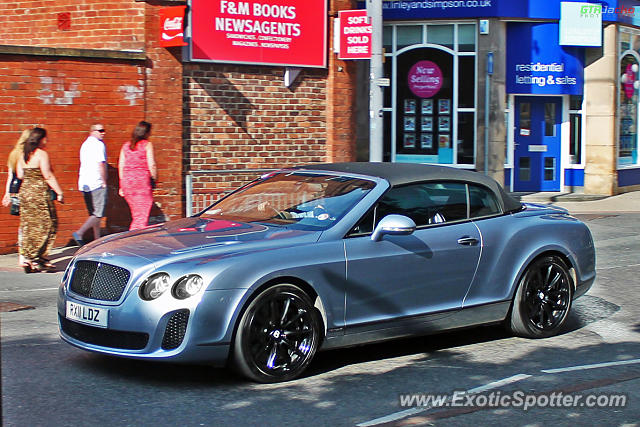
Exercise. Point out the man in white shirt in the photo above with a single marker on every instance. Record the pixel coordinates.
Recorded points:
(92, 181)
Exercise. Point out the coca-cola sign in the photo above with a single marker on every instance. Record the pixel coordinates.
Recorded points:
(425, 79)
(172, 26)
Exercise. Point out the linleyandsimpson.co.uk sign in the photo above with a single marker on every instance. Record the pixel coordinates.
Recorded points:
(267, 32)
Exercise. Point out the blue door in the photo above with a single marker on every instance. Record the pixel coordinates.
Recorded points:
(537, 143)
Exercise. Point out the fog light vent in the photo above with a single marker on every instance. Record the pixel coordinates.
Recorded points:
(176, 328)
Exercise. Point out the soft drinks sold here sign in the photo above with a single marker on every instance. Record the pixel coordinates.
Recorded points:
(355, 35)
(268, 32)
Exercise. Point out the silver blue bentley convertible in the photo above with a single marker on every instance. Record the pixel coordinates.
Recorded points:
(326, 256)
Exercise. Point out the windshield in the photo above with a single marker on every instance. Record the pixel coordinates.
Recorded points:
(299, 199)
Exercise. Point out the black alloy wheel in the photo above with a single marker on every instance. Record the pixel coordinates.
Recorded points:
(278, 335)
(543, 299)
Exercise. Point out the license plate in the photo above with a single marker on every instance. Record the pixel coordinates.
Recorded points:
(89, 315)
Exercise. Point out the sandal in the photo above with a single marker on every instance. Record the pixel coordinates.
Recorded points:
(31, 266)
(46, 265)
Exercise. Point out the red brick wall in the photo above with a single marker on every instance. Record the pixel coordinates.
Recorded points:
(66, 97)
(244, 117)
(105, 24)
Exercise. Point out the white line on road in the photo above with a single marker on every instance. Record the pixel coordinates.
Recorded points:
(617, 266)
(593, 366)
(499, 383)
(408, 412)
(31, 290)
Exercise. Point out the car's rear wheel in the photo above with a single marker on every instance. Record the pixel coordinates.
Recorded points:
(278, 335)
(543, 299)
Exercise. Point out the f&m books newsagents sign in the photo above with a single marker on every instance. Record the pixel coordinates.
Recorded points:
(266, 32)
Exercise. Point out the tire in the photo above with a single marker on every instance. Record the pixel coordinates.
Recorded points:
(277, 336)
(543, 300)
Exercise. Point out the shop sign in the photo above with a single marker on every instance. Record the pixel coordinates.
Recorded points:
(425, 79)
(355, 34)
(172, 26)
(536, 64)
(580, 24)
(622, 11)
(268, 32)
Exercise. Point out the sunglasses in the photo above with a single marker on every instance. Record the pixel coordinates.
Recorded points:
(100, 130)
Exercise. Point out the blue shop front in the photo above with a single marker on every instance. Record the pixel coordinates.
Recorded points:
(557, 122)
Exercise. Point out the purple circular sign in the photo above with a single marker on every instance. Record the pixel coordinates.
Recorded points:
(425, 79)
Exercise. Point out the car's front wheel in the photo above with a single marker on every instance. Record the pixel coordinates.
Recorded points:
(543, 299)
(278, 335)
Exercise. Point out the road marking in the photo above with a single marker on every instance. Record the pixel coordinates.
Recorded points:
(31, 290)
(499, 383)
(617, 266)
(593, 366)
(407, 412)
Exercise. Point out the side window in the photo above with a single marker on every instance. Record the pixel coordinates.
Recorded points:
(428, 203)
(450, 199)
(482, 202)
(365, 225)
(410, 200)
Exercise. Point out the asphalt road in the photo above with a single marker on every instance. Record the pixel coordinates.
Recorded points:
(46, 382)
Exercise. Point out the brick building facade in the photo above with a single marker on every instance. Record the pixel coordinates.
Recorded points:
(65, 65)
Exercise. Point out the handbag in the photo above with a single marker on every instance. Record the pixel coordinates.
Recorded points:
(15, 206)
(52, 195)
(14, 186)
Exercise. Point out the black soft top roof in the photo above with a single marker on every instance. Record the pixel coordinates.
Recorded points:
(404, 173)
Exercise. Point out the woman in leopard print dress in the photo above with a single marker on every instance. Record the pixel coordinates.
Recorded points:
(38, 218)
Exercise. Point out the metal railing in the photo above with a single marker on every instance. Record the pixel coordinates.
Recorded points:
(198, 200)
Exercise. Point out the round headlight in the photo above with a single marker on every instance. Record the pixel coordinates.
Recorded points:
(187, 287)
(154, 286)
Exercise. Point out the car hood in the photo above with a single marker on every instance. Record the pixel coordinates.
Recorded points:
(193, 237)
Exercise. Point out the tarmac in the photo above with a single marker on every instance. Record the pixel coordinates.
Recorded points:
(575, 203)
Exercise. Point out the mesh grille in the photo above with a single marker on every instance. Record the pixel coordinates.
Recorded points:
(176, 328)
(104, 337)
(99, 281)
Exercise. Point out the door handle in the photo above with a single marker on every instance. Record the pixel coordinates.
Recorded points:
(467, 241)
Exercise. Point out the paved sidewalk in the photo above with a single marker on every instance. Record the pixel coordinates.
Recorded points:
(576, 204)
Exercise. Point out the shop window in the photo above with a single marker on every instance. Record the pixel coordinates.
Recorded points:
(575, 129)
(408, 35)
(466, 81)
(466, 134)
(466, 38)
(434, 114)
(629, 80)
(575, 144)
(387, 38)
(575, 102)
(441, 35)
(549, 119)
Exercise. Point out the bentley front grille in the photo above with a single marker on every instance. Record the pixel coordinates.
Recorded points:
(99, 281)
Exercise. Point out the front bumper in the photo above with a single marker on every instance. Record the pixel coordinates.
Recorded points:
(198, 329)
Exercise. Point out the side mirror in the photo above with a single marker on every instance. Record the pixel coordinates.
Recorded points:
(398, 225)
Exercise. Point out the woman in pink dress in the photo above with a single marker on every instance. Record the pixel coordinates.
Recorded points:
(136, 169)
